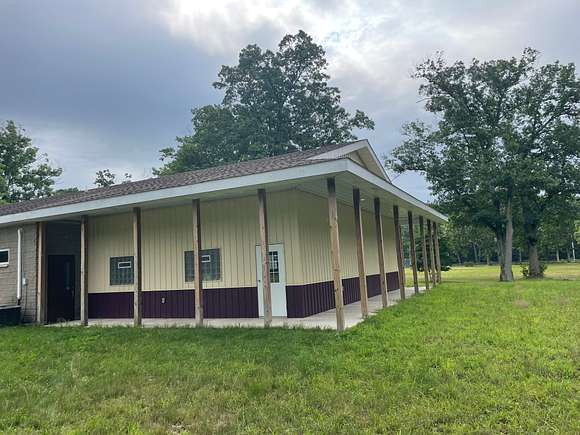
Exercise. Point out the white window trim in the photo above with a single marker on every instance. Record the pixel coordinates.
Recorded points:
(6, 263)
(125, 265)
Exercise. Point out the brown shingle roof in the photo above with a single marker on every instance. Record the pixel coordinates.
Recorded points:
(298, 158)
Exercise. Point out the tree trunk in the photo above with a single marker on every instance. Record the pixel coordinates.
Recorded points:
(487, 260)
(459, 258)
(505, 245)
(557, 255)
(531, 237)
(534, 261)
(520, 253)
(573, 252)
(507, 272)
(568, 255)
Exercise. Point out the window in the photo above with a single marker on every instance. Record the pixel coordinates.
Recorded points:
(274, 267)
(121, 270)
(4, 257)
(210, 265)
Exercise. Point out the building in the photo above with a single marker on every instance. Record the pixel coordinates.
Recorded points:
(329, 220)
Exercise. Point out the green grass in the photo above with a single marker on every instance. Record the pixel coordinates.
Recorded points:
(482, 273)
(473, 355)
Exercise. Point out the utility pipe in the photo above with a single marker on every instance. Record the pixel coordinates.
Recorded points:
(19, 267)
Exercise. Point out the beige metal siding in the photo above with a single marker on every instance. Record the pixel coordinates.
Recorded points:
(315, 241)
(389, 244)
(296, 219)
(109, 236)
(230, 225)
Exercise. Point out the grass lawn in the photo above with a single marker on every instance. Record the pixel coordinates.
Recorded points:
(472, 355)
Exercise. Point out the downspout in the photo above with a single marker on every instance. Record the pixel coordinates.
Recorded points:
(19, 267)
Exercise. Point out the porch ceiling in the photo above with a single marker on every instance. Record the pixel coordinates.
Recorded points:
(345, 182)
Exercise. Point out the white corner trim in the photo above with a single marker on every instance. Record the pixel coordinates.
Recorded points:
(350, 148)
(366, 175)
(265, 178)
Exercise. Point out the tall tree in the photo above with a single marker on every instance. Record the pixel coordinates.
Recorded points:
(557, 230)
(469, 241)
(274, 102)
(548, 154)
(465, 157)
(24, 174)
(504, 127)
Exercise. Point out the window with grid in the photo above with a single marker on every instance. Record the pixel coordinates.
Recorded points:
(121, 270)
(274, 267)
(210, 265)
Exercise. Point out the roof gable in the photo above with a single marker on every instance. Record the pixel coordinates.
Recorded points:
(360, 152)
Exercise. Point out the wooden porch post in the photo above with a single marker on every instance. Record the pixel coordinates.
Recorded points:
(335, 251)
(431, 253)
(137, 279)
(437, 255)
(412, 251)
(198, 281)
(399, 247)
(41, 273)
(266, 291)
(84, 272)
(424, 252)
(381, 252)
(360, 253)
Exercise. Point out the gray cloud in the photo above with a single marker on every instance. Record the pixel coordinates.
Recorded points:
(108, 83)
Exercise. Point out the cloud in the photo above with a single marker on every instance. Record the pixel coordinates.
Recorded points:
(224, 26)
(108, 83)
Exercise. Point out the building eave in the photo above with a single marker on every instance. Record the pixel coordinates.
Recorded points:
(265, 179)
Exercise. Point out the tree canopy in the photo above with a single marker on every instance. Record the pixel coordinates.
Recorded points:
(106, 178)
(24, 174)
(505, 142)
(274, 103)
(557, 231)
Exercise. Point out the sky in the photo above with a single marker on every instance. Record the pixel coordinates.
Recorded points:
(107, 83)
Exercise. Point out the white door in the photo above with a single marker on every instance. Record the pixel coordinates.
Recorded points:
(277, 280)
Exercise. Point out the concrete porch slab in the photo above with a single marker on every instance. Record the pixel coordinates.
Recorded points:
(324, 320)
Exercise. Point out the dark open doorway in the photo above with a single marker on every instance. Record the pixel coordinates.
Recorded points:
(61, 288)
(62, 271)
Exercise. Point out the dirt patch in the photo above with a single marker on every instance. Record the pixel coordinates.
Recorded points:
(521, 303)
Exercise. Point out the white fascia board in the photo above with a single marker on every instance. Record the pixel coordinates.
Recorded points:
(135, 199)
(350, 148)
(254, 180)
(342, 151)
(392, 189)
